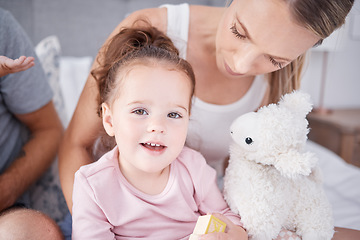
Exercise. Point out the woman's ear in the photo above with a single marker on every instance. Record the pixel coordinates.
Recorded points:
(107, 119)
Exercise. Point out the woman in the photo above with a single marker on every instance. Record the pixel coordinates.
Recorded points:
(244, 56)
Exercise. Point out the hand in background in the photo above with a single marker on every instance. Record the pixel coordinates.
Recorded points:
(8, 65)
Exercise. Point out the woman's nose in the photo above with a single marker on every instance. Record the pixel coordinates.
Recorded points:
(244, 59)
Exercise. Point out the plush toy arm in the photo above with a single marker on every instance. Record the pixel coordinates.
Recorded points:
(292, 164)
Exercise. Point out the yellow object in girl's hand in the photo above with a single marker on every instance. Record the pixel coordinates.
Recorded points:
(207, 224)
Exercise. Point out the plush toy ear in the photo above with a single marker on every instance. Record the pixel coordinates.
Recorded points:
(292, 164)
(297, 102)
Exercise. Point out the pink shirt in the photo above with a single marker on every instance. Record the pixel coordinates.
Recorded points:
(106, 206)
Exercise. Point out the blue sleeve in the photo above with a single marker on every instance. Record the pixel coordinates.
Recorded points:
(25, 91)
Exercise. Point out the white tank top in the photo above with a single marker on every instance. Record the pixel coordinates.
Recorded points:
(209, 123)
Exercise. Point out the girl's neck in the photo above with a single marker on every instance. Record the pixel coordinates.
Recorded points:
(148, 183)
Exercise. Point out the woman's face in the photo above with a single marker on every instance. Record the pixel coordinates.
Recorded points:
(257, 37)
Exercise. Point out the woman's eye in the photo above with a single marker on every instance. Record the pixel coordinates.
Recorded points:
(174, 115)
(236, 32)
(275, 63)
(140, 112)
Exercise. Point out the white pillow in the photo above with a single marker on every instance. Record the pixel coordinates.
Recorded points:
(46, 194)
(73, 74)
(48, 50)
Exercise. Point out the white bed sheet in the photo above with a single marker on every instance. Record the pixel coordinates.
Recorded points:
(341, 183)
(341, 180)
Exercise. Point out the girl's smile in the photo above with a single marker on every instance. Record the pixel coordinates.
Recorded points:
(154, 147)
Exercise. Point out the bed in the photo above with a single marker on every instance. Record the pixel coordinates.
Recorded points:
(67, 62)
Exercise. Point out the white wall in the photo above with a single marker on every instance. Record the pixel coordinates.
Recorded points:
(342, 88)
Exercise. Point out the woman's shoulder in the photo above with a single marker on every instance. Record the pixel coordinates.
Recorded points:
(158, 16)
(206, 14)
(205, 9)
(155, 16)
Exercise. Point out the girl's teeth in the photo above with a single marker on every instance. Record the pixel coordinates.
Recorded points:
(153, 144)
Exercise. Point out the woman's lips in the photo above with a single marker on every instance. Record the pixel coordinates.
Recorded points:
(228, 69)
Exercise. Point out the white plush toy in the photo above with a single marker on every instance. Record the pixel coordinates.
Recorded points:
(271, 182)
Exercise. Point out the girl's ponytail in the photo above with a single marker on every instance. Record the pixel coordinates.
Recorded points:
(138, 43)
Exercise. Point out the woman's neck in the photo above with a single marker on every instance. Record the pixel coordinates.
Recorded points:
(211, 85)
(203, 26)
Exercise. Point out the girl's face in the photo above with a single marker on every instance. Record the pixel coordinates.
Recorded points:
(149, 118)
(257, 37)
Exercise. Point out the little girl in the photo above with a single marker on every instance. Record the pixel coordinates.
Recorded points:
(149, 185)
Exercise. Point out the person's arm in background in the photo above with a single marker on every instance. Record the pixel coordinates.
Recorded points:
(37, 154)
(25, 97)
(85, 125)
(8, 65)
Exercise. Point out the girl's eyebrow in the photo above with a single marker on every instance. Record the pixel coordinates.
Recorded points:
(247, 34)
(179, 106)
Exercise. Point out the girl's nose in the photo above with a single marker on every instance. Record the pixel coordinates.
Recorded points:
(157, 125)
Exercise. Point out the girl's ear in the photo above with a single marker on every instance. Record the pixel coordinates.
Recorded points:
(107, 119)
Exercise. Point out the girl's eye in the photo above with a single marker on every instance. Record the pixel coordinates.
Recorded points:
(140, 112)
(236, 32)
(174, 115)
(275, 63)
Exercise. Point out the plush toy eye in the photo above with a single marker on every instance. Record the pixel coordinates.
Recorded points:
(248, 140)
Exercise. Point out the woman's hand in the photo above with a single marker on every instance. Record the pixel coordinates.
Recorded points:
(232, 231)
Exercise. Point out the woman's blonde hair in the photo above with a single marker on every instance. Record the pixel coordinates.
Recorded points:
(322, 17)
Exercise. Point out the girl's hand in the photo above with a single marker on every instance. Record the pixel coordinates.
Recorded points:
(8, 65)
(232, 231)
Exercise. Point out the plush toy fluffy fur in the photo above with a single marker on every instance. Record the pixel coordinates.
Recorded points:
(271, 182)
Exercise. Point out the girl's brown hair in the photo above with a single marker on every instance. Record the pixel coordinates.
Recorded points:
(141, 44)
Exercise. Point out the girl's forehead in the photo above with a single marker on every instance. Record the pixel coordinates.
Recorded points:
(155, 85)
(144, 77)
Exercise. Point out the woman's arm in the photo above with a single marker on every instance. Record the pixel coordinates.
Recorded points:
(85, 125)
(37, 154)
(76, 146)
